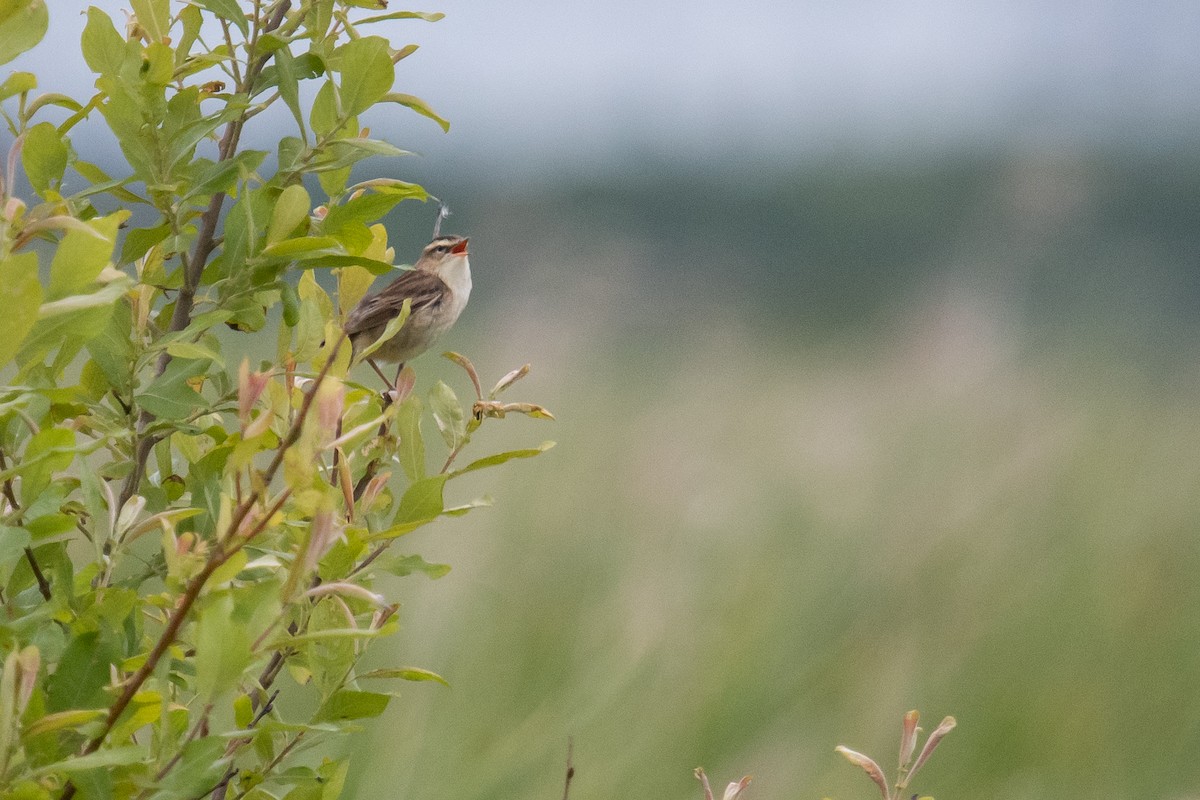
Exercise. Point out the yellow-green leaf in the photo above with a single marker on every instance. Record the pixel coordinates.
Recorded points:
(23, 23)
(500, 458)
(420, 106)
(23, 297)
(290, 210)
(83, 253)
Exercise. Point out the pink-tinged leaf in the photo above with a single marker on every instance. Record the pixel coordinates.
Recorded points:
(932, 742)
(351, 590)
(908, 737)
(868, 766)
(508, 380)
(466, 364)
(734, 790)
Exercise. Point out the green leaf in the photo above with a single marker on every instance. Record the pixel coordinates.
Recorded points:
(402, 566)
(221, 176)
(103, 48)
(289, 85)
(103, 299)
(200, 769)
(351, 150)
(66, 325)
(347, 705)
(194, 350)
(329, 657)
(324, 262)
(448, 414)
(23, 23)
(50, 450)
(44, 157)
(367, 207)
(125, 112)
(434, 17)
(406, 674)
(421, 504)
(420, 106)
(154, 16)
(13, 542)
(390, 330)
(290, 210)
(102, 182)
(191, 21)
(139, 240)
(82, 255)
(53, 99)
(23, 297)
(112, 350)
(17, 83)
(227, 10)
(367, 73)
(323, 113)
(83, 672)
(63, 719)
(500, 458)
(422, 501)
(169, 396)
(412, 445)
(114, 757)
(332, 778)
(303, 245)
(223, 647)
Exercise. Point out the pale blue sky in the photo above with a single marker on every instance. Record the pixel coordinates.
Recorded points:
(531, 83)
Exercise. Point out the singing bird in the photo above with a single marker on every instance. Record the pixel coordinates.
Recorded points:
(439, 285)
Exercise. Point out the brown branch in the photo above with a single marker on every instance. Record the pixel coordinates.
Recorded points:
(43, 584)
(194, 263)
(218, 557)
(201, 724)
(34, 567)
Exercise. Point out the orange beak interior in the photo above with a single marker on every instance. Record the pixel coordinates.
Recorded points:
(460, 249)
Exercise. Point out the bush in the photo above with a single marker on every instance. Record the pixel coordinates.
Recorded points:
(185, 537)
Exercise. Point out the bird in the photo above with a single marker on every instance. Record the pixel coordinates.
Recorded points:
(439, 285)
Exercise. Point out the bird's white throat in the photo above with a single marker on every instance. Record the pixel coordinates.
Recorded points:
(457, 275)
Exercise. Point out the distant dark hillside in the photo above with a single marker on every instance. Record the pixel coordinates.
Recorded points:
(1052, 233)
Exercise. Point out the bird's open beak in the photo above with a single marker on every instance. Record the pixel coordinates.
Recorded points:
(460, 249)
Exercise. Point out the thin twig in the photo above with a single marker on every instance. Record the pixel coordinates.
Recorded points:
(34, 567)
(220, 554)
(570, 767)
(43, 584)
(201, 724)
(193, 264)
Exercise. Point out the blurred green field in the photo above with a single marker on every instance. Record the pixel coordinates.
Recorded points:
(770, 527)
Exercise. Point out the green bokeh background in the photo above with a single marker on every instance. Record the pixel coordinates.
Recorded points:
(836, 440)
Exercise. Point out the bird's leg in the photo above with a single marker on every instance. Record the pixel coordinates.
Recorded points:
(379, 372)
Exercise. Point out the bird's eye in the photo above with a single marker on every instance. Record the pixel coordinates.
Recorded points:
(441, 248)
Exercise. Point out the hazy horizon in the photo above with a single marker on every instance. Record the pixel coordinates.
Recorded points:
(534, 88)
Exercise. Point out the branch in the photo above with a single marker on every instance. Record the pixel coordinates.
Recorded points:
(194, 263)
(220, 554)
(35, 568)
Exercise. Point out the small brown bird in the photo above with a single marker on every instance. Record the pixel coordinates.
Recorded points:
(439, 285)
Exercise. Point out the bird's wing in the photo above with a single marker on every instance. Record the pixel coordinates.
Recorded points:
(425, 289)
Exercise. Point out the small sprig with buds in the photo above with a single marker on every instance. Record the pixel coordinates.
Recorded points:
(907, 767)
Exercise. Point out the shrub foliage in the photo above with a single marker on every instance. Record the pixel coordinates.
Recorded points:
(184, 536)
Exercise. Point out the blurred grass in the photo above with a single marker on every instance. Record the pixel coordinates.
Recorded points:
(754, 542)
